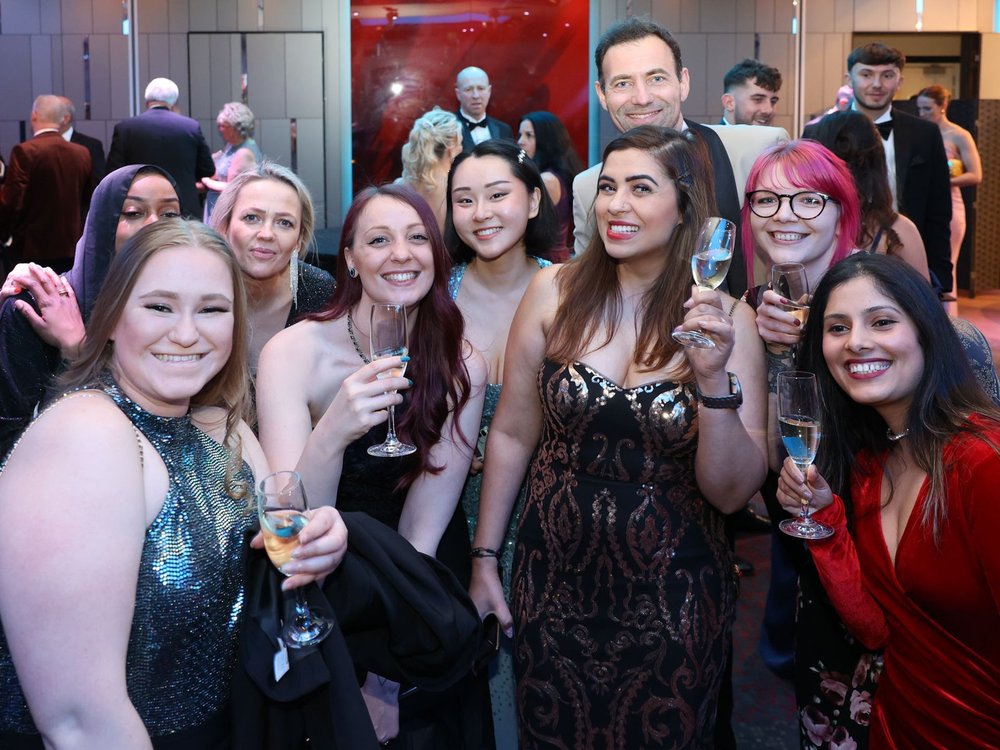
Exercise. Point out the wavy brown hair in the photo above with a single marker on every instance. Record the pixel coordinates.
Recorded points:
(589, 291)
(230, 387)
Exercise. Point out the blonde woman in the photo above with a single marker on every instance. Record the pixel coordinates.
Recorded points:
(435, 140)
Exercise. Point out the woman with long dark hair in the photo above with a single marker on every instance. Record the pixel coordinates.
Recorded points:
(635, 448)
(907, 474)
(321, 404)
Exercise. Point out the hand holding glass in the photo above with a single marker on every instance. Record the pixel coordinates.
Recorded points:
(799, 423)
(709, 266)
(388, 339)
(281, 506)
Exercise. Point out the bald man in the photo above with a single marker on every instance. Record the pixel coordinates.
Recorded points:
(48, 183)
(472, 88)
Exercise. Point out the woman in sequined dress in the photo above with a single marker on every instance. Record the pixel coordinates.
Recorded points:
(499, 217)
(122, 571)
(635, 448)
(320, 403)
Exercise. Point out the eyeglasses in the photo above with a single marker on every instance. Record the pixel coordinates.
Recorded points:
(806, 205)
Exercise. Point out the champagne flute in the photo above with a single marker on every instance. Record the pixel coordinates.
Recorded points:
(709, 266)
(281, 506)
(799, 424)
(388, 339)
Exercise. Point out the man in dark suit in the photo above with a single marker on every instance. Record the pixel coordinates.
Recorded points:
(98, 164)
(643, 82)
(914, 154)
(44, 191)
(162, 137)
(472, 87)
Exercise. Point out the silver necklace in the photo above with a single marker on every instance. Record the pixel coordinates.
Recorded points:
(354, 339)
(895, 437)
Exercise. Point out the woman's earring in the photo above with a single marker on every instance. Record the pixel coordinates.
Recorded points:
(352, 272)
(293, 277)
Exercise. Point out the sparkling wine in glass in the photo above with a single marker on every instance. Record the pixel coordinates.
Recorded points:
(388, 339)
(281, 506)
(709, 266)
(789, 280)
(800, 427)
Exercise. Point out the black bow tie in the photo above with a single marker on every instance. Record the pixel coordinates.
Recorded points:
(480, 124)
(884, 129)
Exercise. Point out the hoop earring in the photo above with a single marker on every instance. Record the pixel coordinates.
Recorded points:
(352, 272)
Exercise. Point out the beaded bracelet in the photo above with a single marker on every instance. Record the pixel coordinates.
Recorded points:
(484, 552)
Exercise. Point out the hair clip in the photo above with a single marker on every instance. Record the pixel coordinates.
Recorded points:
(685, 179)
(520, 156)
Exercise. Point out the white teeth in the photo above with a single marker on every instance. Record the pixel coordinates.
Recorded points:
(788, 236)
(178, 357)
(624, 228)
(486, 232)
(866, 368)
(407, 276)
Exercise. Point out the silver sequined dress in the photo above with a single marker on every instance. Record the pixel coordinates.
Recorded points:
(190, 590)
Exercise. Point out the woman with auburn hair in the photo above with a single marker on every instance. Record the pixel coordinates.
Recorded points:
(635, 448)
(321, 404)
(142, 556)
(434, 142)
(963, 162)
(854, 138)
(906, 474)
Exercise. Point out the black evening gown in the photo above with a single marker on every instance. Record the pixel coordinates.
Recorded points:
(623, 585)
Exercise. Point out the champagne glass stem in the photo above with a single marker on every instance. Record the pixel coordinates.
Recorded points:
(391, 437)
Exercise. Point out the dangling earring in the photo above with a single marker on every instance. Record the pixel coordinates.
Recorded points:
(293, 277)
(352, 272)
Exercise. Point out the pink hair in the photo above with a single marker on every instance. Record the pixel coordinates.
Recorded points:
(810, 166)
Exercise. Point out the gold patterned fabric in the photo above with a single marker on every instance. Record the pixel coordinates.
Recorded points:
(623, 591)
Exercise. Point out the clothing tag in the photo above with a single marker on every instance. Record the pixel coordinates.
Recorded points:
(281, 666)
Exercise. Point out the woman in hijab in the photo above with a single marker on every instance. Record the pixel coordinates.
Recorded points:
(44, 323)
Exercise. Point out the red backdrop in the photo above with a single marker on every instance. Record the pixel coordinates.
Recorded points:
(404, 60)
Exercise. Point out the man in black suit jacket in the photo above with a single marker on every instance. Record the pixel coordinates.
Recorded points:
(915, 155)
(643, 82)
(472, 87)
(168, 140)
(98, 164)
(43, 194)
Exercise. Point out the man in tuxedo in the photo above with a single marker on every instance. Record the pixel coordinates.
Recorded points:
(98, 164)
(42, 198)
(166, 139)
(472, 87)
(914, 154)
(642, 81)
(750, 93)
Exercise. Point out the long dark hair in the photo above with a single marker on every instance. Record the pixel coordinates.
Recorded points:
(540, 234)
(946, 393)
(589, 290)
(554, 150)
(440, 378)
(853, 137)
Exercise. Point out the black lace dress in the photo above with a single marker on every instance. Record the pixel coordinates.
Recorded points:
(623, 592)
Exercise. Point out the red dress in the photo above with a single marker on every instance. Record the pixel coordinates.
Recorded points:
(937, 612)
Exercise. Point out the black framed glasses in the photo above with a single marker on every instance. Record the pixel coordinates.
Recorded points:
(807, 204)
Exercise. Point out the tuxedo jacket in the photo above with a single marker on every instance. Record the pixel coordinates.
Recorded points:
(497, 129)
(728, 203)
(42, 198)
(98, 164)
(170, 141)
(923, 187)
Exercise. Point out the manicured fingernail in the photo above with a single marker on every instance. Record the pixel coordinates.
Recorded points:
(409, 382)
(405, 357)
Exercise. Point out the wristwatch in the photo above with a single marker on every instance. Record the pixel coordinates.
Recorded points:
(733, 401)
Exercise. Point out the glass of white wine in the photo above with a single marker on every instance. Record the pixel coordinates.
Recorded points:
(800, 426)
(790, 281)
(709, 266)
(281, 506)
(388, 339)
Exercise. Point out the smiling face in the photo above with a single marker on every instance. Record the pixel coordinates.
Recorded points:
(750, 104)
(874, 87)
(872, 349)
(175, 332)
(641, 85)
(150, 198)
(526, 138)
(491, 207)
(265, 228)
(392, 254)
(785, 238)
(636, 206)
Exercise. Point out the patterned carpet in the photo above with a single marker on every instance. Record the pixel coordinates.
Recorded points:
(764, 712)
